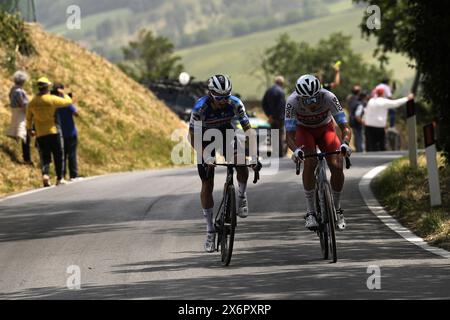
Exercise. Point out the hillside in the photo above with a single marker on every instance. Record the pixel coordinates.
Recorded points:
(240, 57)
(109, 24)
(122, 125)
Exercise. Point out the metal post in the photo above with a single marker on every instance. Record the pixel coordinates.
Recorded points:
(433, 173)
(412, 135)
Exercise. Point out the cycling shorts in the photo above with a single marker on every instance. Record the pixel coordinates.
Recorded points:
(222, 149)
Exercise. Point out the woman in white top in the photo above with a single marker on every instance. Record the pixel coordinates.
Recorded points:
(375, 118)
(19, 103)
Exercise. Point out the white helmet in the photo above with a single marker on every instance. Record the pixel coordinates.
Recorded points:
(219, 85)
(307, 86)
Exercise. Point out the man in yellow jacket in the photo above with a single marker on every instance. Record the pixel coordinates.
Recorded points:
(41, 111)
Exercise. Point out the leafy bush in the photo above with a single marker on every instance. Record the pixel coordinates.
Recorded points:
(14, 37)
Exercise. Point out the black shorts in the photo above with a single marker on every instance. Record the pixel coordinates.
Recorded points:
(225, 146)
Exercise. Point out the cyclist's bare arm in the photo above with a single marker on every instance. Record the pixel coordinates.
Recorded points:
(291, 122)
(337, 77)
(192, 140)
(290, 139)
(346, 132)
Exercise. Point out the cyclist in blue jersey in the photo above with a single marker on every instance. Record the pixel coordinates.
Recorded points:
(216, 111)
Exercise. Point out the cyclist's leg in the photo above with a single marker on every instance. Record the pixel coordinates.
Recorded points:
(206, 194)
(305, 139)
(329, 143)
(242, 177)
(236, 148)
(207, 203)
(207, 176)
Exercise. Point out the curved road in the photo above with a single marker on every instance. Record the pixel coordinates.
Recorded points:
(140, 236)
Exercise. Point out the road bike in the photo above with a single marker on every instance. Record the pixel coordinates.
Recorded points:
(225, 219)
(325, 211)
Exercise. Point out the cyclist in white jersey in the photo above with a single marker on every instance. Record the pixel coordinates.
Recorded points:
(309, 124)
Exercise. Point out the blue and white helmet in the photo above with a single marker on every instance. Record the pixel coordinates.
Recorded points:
(219, 85)
(307, 86)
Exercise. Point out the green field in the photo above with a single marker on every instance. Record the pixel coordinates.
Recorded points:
(240, 57)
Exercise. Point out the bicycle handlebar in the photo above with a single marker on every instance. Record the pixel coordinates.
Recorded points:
(322, 155)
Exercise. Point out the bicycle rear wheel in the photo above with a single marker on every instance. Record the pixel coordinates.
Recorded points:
(228, 225)
(322, 231)
(331, 217)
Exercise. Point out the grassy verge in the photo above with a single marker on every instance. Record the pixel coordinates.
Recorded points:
(404, 192)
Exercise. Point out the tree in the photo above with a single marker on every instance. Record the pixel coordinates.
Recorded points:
(14, 37)
(419, 29)
(292, 59)
(150, 58)
(26, 8)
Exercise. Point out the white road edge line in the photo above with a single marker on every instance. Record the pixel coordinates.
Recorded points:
(87, 179)
(22, 194)
(373, 204)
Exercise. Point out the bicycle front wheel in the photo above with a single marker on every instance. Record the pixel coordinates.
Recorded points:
(322, 232)
(228, 225)
(331, 225)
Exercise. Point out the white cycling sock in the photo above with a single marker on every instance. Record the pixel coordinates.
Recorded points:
(242, 188)
(337, 199)
(208, 214)
(310, 200)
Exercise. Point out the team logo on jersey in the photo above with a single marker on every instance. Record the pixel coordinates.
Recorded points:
(288, 111)
(314, 118)
(337, 104)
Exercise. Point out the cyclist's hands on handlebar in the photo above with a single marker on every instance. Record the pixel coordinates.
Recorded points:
(210, 161)
(255, 165)
(345, 150)
(299, 155)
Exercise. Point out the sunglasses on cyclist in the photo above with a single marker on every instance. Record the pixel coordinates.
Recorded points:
(220, 98)
(311, 100)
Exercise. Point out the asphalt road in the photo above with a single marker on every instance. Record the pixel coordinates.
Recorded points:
(140, 236)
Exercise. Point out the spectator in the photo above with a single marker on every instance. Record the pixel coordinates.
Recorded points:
(69, 134)
(274, 103)
(41, 110)
(19, 104)
(375, 118)
(384, 84)
(353, 97)
(356, 112)
(337, 78)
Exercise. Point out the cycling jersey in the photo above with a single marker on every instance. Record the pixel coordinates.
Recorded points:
(219, 118)
(298, 113)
